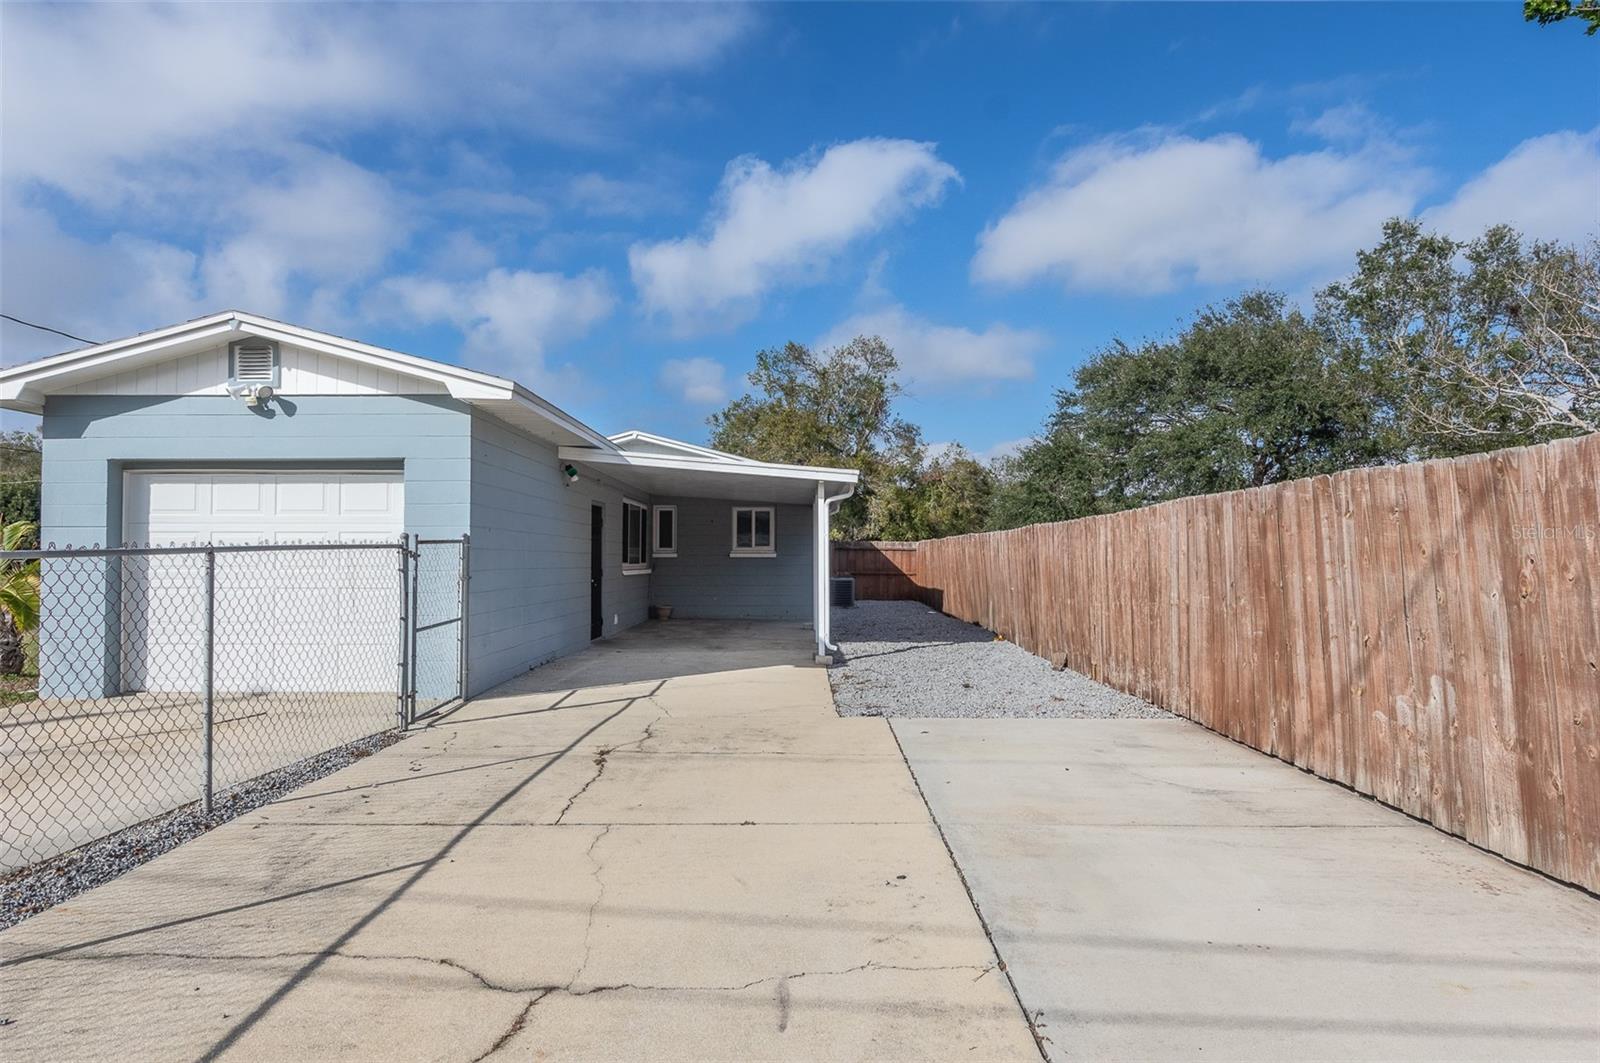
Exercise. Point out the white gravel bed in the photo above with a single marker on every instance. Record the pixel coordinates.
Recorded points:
(904, 659)
(30, 890)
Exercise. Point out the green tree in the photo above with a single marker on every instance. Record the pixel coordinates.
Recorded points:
(950, 495)
(1056, 477)
(1544, 12)
(834, 407)
(20, 465)
(1470, 345)
(1249, 394)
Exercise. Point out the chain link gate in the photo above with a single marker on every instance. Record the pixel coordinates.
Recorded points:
(158, 677)
(437, 652)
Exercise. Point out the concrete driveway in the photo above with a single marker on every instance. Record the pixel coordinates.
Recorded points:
(1158, 892)
(666, 847)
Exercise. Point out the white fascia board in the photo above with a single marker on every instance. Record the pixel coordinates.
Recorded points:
(139, 342)
(730, 468)
(632, 435)
(22, 386)
(468, 385)
(463, 383)
(554, 413)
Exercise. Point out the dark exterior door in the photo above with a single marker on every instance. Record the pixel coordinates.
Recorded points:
(597, 528)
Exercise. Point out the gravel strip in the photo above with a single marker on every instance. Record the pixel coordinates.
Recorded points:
(904, 659)
(30, 890)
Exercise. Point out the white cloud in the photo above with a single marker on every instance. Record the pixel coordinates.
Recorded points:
(936, 354)
(603, 196)
(117, 286)
(324, 221)
(776, 226)
(1548, 187)
(1346, 123)
(934, 451)
(195, 137)
(163, 79)
(1147, 215)
(698, 381)
(1009, 448)
(510, 318)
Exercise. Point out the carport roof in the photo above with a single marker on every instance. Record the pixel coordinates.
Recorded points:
(661, 466)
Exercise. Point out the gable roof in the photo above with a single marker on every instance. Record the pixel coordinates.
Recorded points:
(671, 467)
(635, 441)
(652, 461)
(24, 387)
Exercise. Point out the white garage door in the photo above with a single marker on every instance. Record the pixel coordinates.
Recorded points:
(285, 620)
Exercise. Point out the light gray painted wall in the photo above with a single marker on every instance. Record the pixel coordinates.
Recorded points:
(464, 471)
(89, 440)
(703, 581)
(530, 555)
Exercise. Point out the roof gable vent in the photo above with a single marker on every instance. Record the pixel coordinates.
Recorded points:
(253, 362)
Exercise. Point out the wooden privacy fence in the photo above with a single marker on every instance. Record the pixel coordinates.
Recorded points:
(1427, 634)
(883, 571)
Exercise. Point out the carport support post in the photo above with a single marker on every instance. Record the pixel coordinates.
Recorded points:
(207, 678)
(821, 616)
(819, 594)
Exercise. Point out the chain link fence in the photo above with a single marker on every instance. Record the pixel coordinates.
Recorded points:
(156, 677)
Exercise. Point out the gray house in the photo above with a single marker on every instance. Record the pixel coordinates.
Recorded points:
(235, 428)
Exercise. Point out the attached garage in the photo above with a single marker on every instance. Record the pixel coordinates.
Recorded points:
(329, 616)
(238, 431)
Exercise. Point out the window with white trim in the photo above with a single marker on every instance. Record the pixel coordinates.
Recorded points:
(635, 527)
(664, 532)
(753, 532)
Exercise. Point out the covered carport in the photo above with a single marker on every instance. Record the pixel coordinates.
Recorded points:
(725, 537)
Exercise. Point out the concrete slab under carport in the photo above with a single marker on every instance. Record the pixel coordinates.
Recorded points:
(1158, 892)
(668, 847)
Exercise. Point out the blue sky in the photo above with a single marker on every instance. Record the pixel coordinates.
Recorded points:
(619, 206)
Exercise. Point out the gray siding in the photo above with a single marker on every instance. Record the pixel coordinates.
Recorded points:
(90, 439)
(530, 555)
(464, 471)
(703, 581)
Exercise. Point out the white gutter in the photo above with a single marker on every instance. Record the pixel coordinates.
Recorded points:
(742, 466)
(821, 615)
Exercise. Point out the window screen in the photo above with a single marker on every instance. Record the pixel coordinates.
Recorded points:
(666, 540)
(752, 530)
(633, 534)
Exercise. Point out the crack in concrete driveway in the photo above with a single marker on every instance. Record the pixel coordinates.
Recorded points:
(722, 897)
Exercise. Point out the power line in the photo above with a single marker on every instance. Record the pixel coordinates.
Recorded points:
(46, 328)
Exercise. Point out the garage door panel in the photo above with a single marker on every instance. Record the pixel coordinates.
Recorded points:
(285, 620)
(365, 497)
(241, 496)
(305, 498)
(168, 498)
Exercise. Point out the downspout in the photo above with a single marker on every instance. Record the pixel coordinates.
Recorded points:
(822, 622)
